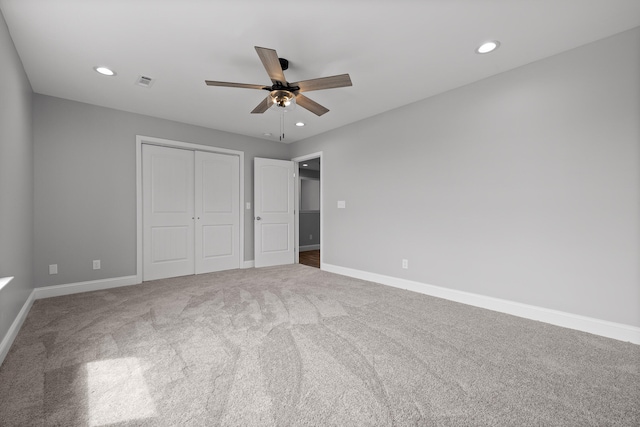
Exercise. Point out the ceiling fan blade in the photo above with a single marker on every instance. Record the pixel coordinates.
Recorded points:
(341, 80)
(227, 84)
(269, 58)
(263, 106)
(311, 105)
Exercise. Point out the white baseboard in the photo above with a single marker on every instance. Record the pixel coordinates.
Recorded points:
(76, 288)
(309, 248)
(603, 328)
(12, 333)
(591, 325)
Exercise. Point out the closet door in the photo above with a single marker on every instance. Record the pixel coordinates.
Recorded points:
(168, 212)
(217, 203)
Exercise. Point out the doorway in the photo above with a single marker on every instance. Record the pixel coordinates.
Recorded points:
(309, 210)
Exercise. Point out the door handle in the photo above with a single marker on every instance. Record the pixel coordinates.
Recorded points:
(258, 218)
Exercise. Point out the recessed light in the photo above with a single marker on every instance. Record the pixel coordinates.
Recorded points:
(488, 46)
(299, 124)
(305, 165)
(267, 134)
(105, 71)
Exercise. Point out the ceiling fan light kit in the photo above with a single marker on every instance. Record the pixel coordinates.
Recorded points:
(283, 96)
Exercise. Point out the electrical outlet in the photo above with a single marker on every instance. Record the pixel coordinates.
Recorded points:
(405, 263)
(310, 236)
(96, 264)
(53, 268)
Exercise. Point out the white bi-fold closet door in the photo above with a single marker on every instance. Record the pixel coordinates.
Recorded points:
(191, 218)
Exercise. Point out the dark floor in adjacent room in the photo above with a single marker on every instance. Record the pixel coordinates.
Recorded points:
(310, 258)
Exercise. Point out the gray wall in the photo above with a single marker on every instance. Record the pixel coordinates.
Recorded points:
(309, 225)
(524, 186)
(306, 173)
(309, 218)
(85, 185)
(16, 182)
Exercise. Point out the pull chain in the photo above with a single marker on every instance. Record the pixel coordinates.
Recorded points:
(282, 126)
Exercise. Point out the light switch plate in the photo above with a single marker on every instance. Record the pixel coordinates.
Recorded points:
(342, 204)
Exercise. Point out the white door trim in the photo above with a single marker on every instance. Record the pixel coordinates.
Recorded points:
(298, 160)
(141, 139)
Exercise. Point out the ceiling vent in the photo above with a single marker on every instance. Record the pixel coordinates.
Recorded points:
(144, 81)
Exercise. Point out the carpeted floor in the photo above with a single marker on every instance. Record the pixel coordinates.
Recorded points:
(298, 346)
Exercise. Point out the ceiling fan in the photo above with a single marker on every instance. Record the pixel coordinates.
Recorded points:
(283, 93)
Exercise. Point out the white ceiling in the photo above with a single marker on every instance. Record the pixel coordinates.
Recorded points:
(396, 51)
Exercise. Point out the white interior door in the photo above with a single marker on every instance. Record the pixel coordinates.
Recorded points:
(168, 212)
(274, 187)
(217, 227)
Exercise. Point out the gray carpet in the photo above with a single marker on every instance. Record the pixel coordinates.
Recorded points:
(297, 346)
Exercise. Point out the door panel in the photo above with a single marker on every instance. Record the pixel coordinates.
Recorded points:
(217, 203)
(169, 243)
(274, 212)
(167, 212)
(217, 240)
(218, 191)
(275, 238)
(171, 179)
(275, 189)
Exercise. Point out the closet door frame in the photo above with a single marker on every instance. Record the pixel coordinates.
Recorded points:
(140, 140)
